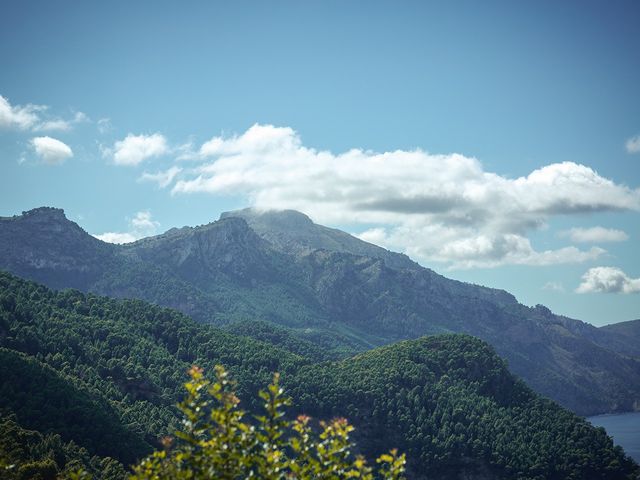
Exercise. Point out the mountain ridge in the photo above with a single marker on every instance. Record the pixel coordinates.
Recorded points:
(290, 229)
(229, 271)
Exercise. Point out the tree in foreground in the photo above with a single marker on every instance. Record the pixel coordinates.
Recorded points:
(217, 442)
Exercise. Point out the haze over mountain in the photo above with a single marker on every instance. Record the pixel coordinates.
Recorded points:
(329, 288)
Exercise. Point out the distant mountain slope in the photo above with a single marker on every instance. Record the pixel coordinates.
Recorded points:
(631, 328)
(448, 401)
(624, 336)
(329, 288)
(293, 232)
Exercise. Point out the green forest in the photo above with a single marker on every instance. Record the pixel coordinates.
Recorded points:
(92, 382)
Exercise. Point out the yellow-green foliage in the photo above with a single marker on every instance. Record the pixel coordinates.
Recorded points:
(217, 442)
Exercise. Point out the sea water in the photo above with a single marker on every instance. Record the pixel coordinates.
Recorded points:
(624, 428)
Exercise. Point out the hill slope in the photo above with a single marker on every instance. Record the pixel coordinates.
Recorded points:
(448, 401)
(329, 288)
(623, 336)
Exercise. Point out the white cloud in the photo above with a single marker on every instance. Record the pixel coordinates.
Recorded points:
(140, 226)
(81, 117)
(595, 235)
(115, 237)
(186, 151)
(258, 139)
(443, 208)
(134, 149)
(143, 224)
(50, 150)
(633, 144)
(553, 287)
(462, 247)
(35, 118)
(18, 116)
(104, 125)
(608, 280)
(60, 125)
(162, 178)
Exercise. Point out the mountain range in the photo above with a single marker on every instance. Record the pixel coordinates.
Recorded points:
(332, 291)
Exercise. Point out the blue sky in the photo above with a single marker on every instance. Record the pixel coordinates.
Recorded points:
(495, 142)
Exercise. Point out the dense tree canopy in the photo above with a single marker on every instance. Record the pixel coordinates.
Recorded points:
(447, 401)
(218, 443)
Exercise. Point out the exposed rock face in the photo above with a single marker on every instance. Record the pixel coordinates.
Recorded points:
(283, 268)
(228, 247)
(293, 232)
(43, 245)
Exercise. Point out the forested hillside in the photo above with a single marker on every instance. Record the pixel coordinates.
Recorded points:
(88, 379)
(327, 288)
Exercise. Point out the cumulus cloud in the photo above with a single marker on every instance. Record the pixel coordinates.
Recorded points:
(257, 140)
(608, 280)
(464, 248)
(443, 208)
(115, 237)
(595, 235)
(140, 226)
(143, 223)
(134, 149)
(50, 150)
(18, 117)
(162, 178)
(633, 144)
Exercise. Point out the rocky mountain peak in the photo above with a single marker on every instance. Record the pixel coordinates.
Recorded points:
(227, 246)
(279, 218)
(41, 214)
(294, 233)
(45, 221)
(43, 244)
(46, 211)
